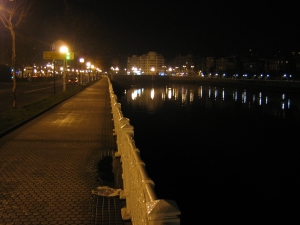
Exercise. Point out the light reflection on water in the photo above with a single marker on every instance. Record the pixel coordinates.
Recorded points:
(230, 150)
(275, 104)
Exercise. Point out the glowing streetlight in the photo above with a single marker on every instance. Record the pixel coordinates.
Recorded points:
(63, 49)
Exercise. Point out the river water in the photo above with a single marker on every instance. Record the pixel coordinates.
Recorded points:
(224, 154)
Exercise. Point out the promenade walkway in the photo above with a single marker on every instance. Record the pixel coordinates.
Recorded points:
(50, 165)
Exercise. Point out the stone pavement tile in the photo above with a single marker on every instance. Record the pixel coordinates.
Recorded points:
(49, 165)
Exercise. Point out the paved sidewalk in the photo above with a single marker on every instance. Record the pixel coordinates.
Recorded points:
(50, 165)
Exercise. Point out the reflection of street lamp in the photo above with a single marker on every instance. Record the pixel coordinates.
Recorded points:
(81, 60)
(64, 49)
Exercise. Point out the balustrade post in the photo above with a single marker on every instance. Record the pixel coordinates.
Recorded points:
(122, 125)
(163, 212)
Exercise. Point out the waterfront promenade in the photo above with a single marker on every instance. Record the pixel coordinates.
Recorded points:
(50, 166)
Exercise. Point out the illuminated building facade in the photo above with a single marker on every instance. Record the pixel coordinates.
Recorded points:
(147, 64)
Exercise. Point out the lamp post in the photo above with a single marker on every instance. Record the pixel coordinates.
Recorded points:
(92, 70)
(88, 66)
(192, 70)
(152, 70)
(64, 49)
(81, 60)
(170, 71)
(54, 85)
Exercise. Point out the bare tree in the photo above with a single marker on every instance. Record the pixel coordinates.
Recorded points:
(12, 12)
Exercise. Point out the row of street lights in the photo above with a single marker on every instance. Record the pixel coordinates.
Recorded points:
(89, 68)
(65, 51)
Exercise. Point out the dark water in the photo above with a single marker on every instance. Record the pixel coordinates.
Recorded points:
(223, 154)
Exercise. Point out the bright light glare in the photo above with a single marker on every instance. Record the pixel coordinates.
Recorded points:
(169, 93)
(133, 95)
(152, 94)
(63, 49)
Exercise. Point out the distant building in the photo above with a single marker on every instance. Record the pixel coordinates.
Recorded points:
(185, 65)
(147, 64)
(238, 67)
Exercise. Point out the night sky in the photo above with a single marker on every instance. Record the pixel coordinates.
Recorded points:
(121, 28)
(201, 27)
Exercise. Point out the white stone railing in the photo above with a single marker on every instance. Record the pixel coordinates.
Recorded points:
(142, 205)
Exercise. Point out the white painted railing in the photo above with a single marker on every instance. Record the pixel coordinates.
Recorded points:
(142, 205)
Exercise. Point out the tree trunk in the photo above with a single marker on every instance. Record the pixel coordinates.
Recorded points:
(13, 64)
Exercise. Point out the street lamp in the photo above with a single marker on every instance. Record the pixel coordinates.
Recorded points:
(64, 49)
(81, 60)
(88, 66)
(97, 73)
(152, 70)
(192, 70)
(170, 71)
(92, 69)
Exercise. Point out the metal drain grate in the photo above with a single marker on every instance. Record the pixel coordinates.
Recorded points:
(108, 211)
